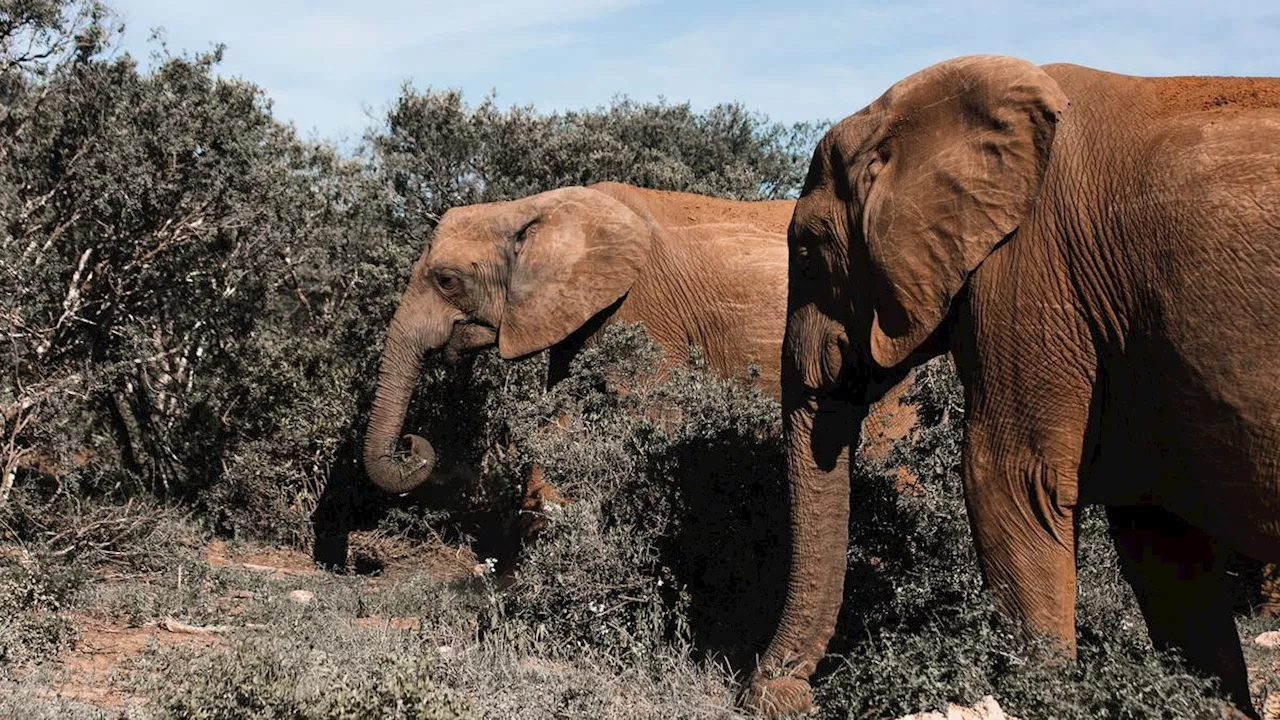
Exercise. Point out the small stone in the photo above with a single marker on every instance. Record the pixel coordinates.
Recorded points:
(1269, 640)
(242, 595)
(302, 597)
(986, 709)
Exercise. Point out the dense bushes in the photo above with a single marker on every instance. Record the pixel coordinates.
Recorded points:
(162, 235)
(195, 298)
(437, 152)
(677, 528)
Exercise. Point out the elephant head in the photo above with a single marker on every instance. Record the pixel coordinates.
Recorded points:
(523, 274)
(902, 202)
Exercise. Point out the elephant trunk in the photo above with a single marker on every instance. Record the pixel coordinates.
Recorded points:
(391, 468)
(819, 435)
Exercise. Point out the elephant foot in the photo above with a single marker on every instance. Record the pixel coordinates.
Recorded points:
(1232, 713)
(779, 697)
(1268, 610)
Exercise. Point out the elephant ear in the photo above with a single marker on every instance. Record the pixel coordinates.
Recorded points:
(580, 253)
(959, 169)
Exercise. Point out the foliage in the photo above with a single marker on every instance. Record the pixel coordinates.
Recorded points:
(439, 152)
(161, 231)
(262, 683)
(30, 628)
(198, 297)
(659, 544)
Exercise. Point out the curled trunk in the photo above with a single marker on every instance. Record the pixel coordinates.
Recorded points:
(390, 467)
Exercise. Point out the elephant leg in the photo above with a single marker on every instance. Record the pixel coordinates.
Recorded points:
(1023, 519)
(1268, 598)
(1022, 509)
(538, 494)
(1178, 574)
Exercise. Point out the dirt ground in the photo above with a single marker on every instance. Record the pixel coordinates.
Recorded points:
(98, 666)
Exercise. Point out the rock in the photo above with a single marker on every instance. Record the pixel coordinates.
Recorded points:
(985, 709)
(1269, 640)
(302, 597)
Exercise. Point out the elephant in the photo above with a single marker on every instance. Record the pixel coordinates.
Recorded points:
(1099, 253)
(551, 270)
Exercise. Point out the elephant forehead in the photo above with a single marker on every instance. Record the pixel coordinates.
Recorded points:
(485, 218)
(471, 231)
(812, 215)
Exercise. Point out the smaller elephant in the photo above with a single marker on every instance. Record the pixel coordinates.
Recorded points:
(551, 270)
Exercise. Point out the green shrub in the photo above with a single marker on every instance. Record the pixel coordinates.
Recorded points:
(196, 298)
(672, 532)
(264, 681)
(31, 594)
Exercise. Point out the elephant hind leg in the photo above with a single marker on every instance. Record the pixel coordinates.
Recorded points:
(1178, 574)
(538, 494)
(1268, 595)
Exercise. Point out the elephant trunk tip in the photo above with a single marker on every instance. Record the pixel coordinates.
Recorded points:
(398, 471)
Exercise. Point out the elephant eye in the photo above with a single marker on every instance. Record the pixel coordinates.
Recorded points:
(448, 282)
(523, 234)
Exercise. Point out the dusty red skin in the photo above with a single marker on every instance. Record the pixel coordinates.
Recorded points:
(1099, 253)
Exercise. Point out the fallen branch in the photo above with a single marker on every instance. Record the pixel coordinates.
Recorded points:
(174, 626)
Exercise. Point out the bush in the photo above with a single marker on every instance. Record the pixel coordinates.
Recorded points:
(438, 152)
(263, 681)
(672, 534)
(30, 596)
(198, 298)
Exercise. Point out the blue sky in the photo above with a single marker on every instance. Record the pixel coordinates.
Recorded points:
(331, 64)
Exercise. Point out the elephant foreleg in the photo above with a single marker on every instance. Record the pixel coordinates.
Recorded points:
(539, 493)
(1023, 518)
(1179, 577)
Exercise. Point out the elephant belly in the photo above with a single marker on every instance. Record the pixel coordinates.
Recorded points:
(1207, 453)
(1201, 408)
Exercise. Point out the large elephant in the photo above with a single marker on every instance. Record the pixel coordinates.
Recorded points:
(552, 269)
(1100, 253)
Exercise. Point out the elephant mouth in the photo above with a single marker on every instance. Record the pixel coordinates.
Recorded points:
(470, 338)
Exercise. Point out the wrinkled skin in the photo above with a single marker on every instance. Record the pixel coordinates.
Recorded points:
(553, 269)
(1100, 255)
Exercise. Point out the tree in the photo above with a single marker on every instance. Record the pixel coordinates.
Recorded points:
(438, 152)
(195, 298)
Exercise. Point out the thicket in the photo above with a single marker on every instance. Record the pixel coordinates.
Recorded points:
(195, 298)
